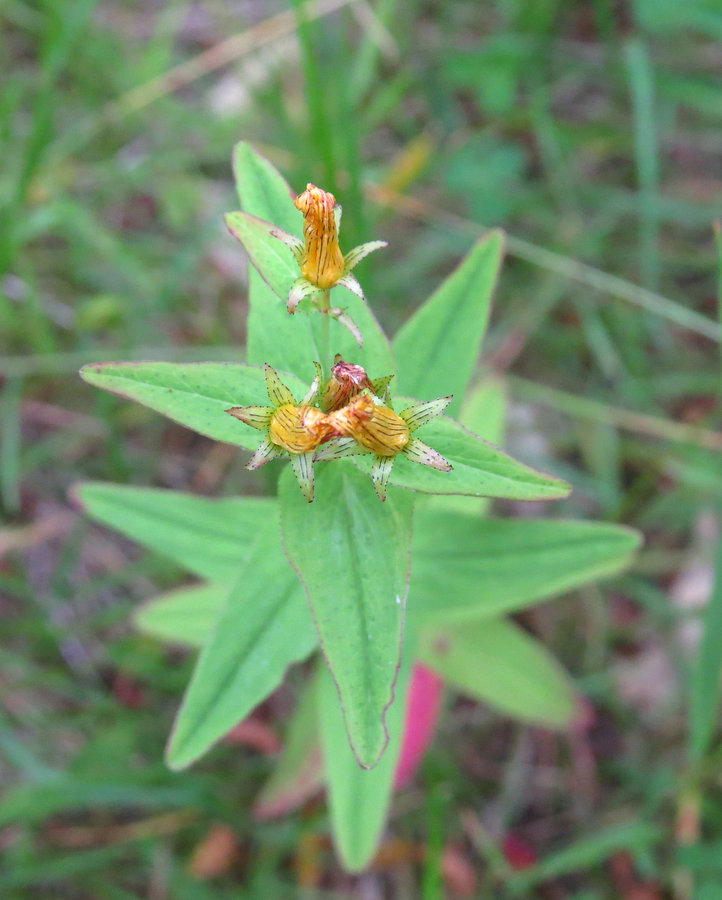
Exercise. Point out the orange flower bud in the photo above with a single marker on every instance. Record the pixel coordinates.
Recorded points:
(299, 429)
(377, 428)
(322, 263)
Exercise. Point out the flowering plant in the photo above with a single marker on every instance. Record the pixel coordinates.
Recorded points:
(282, 576)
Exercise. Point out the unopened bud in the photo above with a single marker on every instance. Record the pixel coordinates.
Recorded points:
(377, 428)
(299, 429)
(322, 263)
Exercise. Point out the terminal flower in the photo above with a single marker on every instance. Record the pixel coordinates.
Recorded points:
(367, 425)
(291, 429)
(319, 255)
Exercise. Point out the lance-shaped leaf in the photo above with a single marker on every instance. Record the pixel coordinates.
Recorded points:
(184, 616)
(358, 798)
(352, 554)
(466, 568)
(479, 469)
(437, 349)
(298, 774)
(484, 413)
(205, 536)
(497, 662)
(273, 335)
(263, 627)
(270, 256)
(196, 395)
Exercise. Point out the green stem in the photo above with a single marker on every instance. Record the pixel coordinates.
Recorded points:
(324, 304)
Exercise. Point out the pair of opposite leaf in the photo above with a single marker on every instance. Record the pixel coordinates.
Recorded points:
(322, 264)
(351, 419)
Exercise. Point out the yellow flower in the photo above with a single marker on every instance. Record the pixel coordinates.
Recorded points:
(376, 428)
(297, 430)
(368, 425)
(322, 263)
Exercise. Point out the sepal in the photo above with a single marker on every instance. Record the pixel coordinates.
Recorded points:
(354, 257)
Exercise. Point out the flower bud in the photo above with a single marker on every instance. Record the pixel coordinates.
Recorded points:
(299, 429)
(322, 263)
(377, 428)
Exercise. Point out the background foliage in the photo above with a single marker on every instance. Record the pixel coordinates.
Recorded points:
(588, 130)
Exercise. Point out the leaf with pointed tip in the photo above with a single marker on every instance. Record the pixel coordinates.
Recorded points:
(468, 568)
(184, 616)
(273, 259)
(359, 799)
(497, 662)
(352, 554)
(263, 628)
(484, 413)
(263, 191)
(196, 395)
(298, 774)
(479, 469)
(438, 347)
(205, 536)
(273, 335)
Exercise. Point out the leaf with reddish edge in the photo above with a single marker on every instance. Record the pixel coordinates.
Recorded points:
(422, 716)
(352, 555)
(479, 468)
(262, 628)
(196, 395)
(359, 798)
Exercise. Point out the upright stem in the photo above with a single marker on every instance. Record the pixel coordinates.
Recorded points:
(324, 304)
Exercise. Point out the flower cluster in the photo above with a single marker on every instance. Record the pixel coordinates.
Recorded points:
(350, 414)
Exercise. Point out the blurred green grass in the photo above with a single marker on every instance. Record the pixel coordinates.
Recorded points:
(591, 132)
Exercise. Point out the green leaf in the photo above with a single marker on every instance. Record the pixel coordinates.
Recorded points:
(705, 676)
(196, 395)
(479, 468)
(470, 568)
(437, 349)
(358, 799)
(263, 191)
(298, 774)
(263, 628)
(272, 258)
(205, 536)
(483, 412)
(287, 342)
(352, 554)
(184, 616)
(274, 336)
(497, 662)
